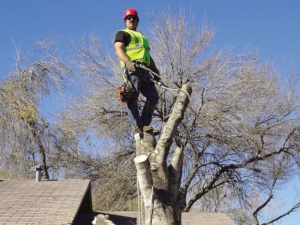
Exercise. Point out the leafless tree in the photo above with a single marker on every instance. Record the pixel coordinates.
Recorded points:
(241, 121)
(26, 135)
(236, 142)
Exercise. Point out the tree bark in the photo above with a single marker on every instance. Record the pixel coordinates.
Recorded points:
(159, 183)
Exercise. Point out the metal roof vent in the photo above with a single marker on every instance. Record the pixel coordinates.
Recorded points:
(38, 173)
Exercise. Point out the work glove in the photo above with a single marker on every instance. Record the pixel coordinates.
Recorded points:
(130, 66)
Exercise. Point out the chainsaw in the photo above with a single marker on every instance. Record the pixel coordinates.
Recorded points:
(125, 93)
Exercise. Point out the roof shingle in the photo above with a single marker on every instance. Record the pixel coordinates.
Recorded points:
(69, 202)
(188, 218)
(45, 202)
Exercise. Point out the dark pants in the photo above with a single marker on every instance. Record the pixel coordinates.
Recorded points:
(142, 84)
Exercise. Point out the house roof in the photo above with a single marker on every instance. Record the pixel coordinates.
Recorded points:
(69, 202)
(44, 202)
(206, 219)
(188, 218)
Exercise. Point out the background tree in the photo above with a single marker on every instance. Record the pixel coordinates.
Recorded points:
(239, 133)
(26, 138)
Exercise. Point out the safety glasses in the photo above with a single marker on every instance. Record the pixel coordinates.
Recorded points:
(131, 18)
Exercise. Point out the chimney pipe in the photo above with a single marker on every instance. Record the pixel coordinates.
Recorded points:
(38, 173)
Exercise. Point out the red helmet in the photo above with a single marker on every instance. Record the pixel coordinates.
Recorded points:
(130, 12)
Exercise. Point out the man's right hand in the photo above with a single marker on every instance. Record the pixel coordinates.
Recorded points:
(130, 66)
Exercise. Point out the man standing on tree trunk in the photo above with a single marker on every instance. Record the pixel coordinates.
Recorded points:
(132, 48)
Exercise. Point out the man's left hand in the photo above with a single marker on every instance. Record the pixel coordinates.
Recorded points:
(130, 66)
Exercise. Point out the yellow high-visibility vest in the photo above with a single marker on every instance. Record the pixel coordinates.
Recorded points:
(138, 48)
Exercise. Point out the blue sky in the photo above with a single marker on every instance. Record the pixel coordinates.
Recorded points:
(270, 26)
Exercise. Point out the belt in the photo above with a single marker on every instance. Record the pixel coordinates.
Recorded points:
(139, 63)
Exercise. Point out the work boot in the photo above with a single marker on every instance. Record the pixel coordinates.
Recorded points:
(138, 132)
(149, 129)
(156, 132)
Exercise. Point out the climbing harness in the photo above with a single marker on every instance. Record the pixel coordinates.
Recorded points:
(125, 92)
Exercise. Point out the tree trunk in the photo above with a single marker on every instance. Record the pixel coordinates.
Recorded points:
(42, 150)
(159, 183)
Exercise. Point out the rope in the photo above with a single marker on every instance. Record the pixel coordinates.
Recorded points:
(152, 205)
(121, 112)
(159, 83)
(170, 89)
(139, 203)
